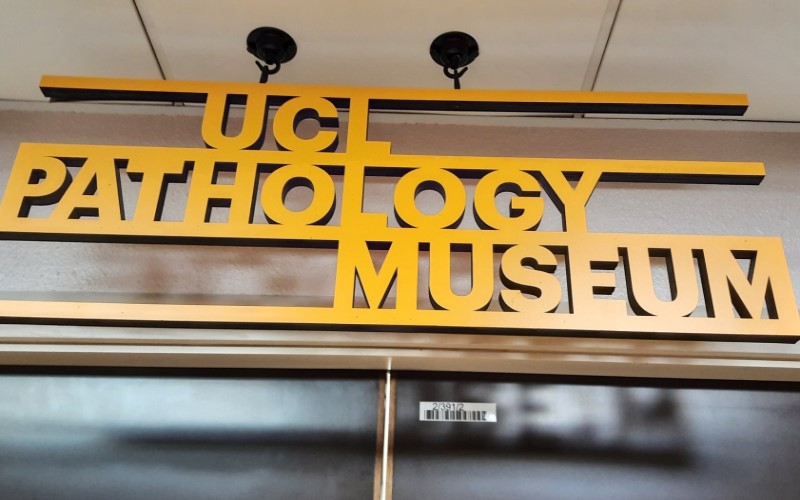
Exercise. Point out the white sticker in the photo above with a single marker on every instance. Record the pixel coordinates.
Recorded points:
(449, 411)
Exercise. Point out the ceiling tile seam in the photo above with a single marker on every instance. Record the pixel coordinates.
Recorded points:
(600, 46)
(149, 40)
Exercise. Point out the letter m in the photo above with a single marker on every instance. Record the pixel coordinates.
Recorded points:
(355, 263)
(766, 283)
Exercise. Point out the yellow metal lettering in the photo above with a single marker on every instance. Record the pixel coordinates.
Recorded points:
(765, 286)
(526, 208)
(682, 281)
(34, 180)
(400, 265)
(291, 113)
(215, 121)
(153, 177)
(94, 192)
(206, 192)
(342, 216)
(278, 184)
(482, 277)
(572, 201)
(445, 183)
(527, 270)
(590, 274)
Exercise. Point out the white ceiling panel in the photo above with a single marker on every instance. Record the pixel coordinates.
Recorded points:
(746, 46)
(524, 44)
(75, 37)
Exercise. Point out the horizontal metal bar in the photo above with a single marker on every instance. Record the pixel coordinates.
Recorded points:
(519, 101)
(691, 366)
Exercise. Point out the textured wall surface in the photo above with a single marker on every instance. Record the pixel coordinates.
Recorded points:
(245, 275)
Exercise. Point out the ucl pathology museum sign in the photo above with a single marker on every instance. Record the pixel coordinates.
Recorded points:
(80, 186)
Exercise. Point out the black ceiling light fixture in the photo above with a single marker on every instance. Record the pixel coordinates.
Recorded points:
(273, 46)
(453, 51)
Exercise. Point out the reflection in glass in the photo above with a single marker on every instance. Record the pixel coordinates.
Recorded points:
(179, 437)
(568, 441)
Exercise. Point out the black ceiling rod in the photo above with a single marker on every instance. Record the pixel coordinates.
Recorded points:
(453, 51)
(273, 46)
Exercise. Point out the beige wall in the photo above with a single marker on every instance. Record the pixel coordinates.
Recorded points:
(245, 275)
(767, 209)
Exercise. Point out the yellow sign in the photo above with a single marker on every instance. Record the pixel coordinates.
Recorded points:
(514, 283)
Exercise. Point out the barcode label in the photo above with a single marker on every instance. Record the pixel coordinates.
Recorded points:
(448, 411)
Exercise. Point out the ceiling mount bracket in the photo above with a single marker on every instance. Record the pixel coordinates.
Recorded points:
(273, 46)
(453, 51)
